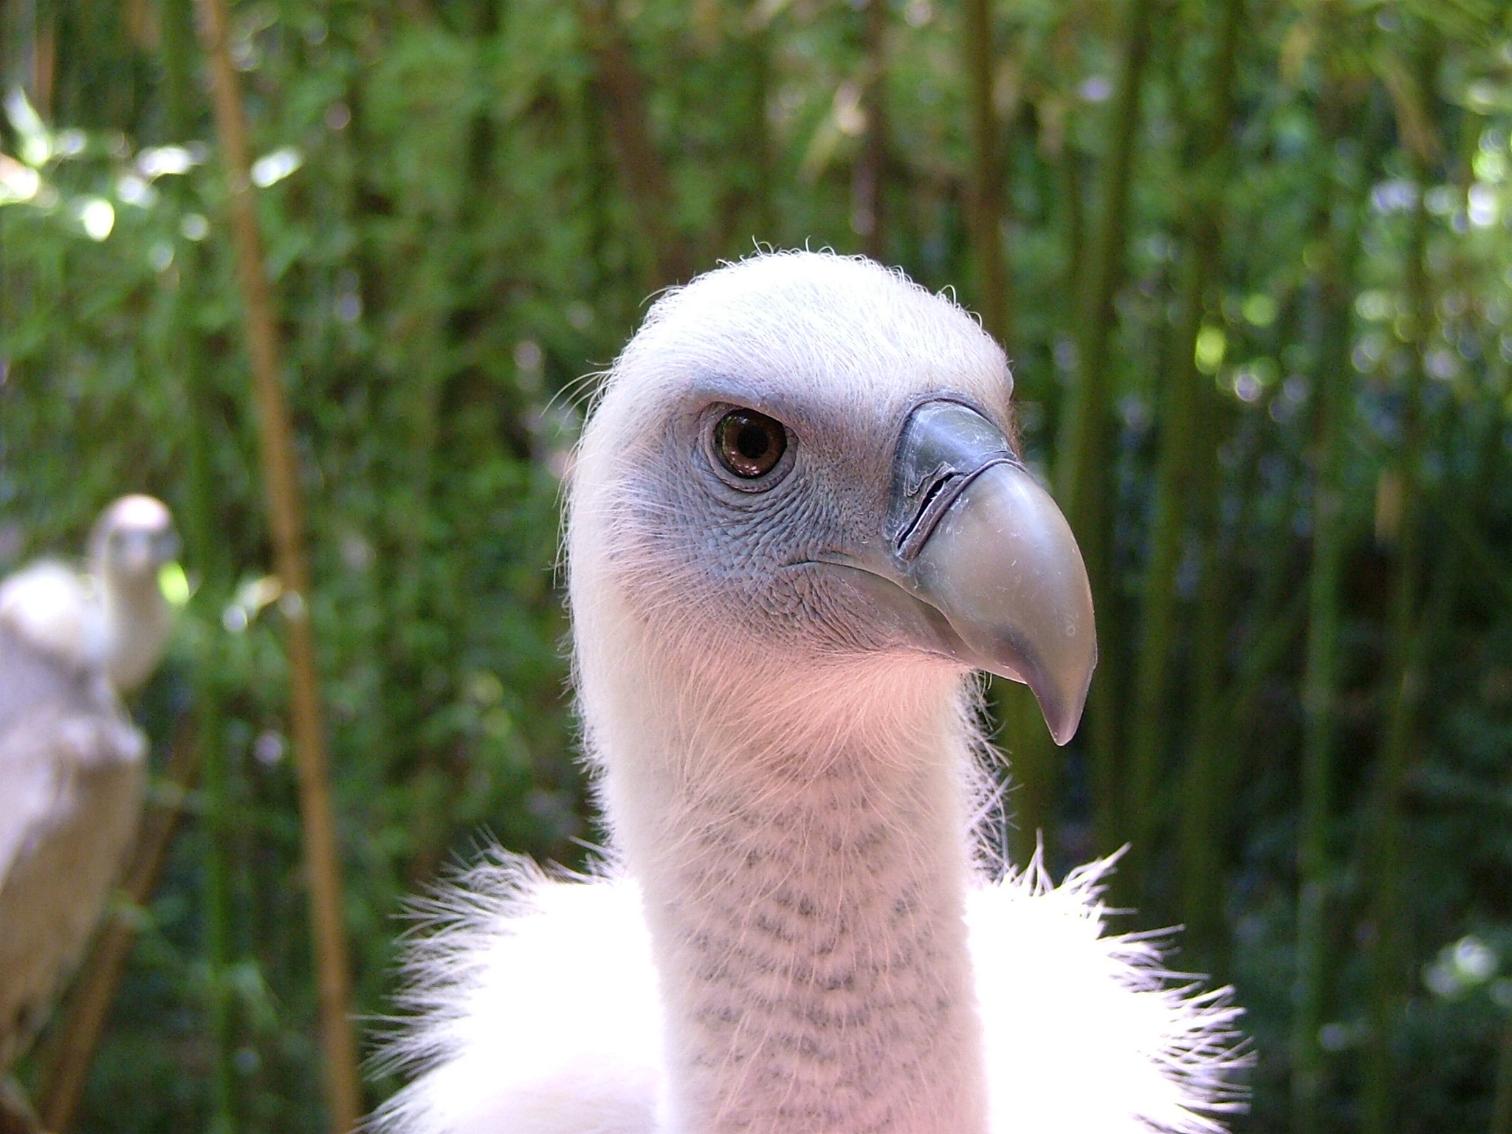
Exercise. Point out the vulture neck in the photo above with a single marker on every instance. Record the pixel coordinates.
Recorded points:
(135, 625)
(803, 857)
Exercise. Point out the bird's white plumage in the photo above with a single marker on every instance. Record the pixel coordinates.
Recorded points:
(72, 765)
(72, 773)
(801, 937)
(111, 618)
(1102, 1037)
(569, 962)
(542, 1014)
(57, 609)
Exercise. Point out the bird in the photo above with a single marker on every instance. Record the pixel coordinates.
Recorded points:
(112, 617)
(798, 528)
(72, 763)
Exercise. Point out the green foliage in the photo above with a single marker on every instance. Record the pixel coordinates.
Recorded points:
(453, 237)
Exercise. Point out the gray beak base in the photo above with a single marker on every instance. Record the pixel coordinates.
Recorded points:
(976, 540)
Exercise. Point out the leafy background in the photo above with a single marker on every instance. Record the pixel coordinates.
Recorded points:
(1252, 259)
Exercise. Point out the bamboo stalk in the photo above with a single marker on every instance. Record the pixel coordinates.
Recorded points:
(447, 307)
(1390, 965)
(1086, 441)
(1225, 694)
(741, 42)
(1501, 1103)
(644, 175)
(1320, 677)
(758, 51)
(45, 63)
(1186, 455)
(986, 199)
(1203, 815)
(1392, 971)
(70, 1052)
(207, 552)
(1436, 622)
(1029, 806)
(868, 188)
(1224, 703)
(1491, 455)
(285, 507)
(1069, 179)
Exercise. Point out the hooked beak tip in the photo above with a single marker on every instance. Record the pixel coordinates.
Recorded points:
(997, 559)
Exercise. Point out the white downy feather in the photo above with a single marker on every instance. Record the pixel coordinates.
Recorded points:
(536, 1011)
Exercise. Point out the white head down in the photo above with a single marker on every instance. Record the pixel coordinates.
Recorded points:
(130, 542)
(762, 486)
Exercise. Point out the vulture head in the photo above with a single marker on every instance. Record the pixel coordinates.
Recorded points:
(72, 764)
(804, 467)
(131, 541)
(111, 618)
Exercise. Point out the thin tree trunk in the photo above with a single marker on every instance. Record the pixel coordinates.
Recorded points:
(1222, 704)
(1070, 189)
(598, 186)
(741, 44)
(1390, 951)
(759, 50)
(206, 549)
(285, 507)
(447, 318)
(644, 175)
(27, 51)
(870, 179)
(1320, 679)
(70, 1052)
(1492, 455)
(1203, 812)
(1087, 442)
(1501, 1104)
(986, 198)
(1186, 450)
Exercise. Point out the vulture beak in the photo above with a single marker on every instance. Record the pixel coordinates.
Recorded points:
(981, 551)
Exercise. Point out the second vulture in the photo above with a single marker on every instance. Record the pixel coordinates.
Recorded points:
(72, 765)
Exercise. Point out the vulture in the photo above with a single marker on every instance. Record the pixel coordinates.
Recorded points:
(114, 618)
(798, 526)
(72, 764)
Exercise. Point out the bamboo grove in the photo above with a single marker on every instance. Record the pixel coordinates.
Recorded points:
(1252, 260)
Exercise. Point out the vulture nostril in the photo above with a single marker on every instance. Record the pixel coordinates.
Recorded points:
(939, 491)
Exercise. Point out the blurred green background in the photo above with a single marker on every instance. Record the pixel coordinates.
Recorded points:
(1252, 259)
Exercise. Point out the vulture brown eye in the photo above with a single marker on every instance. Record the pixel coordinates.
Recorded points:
(748, 443)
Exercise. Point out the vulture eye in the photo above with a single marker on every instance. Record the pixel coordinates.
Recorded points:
(749, 444)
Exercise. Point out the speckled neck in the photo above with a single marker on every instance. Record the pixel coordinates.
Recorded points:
(806, 907)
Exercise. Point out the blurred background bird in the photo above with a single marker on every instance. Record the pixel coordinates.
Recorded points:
(112, 617)
(72, 763)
